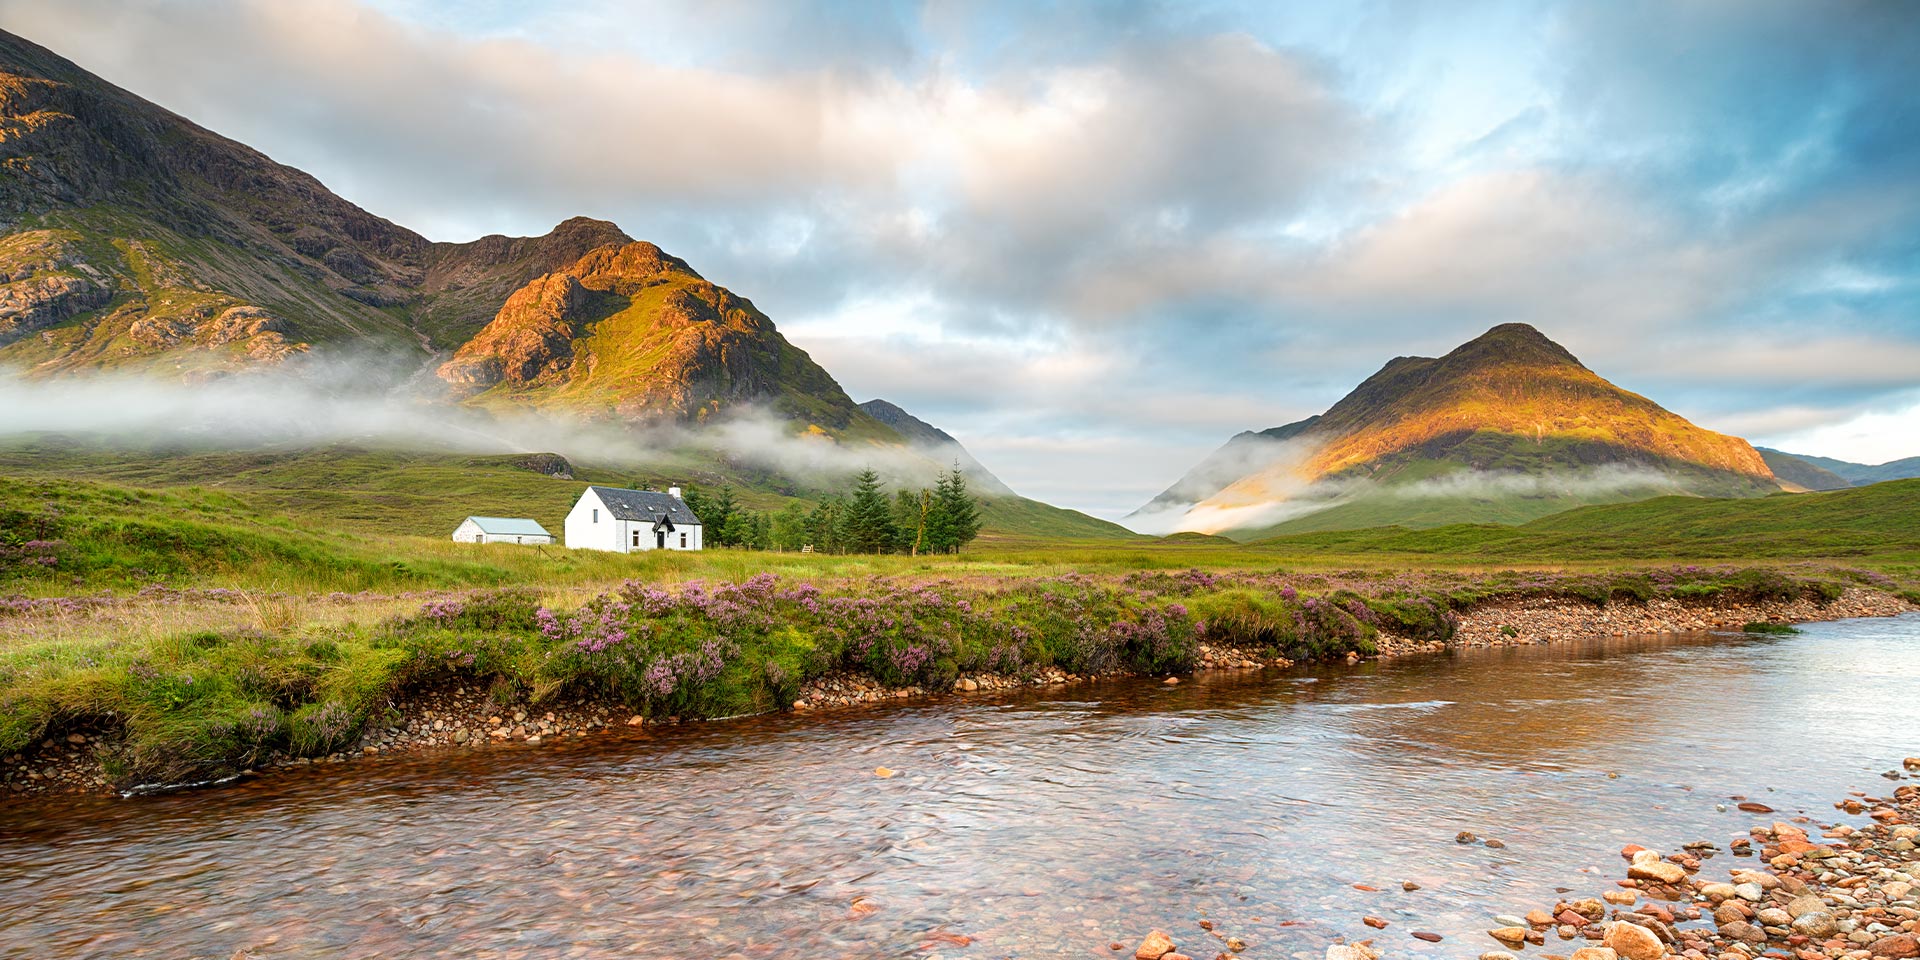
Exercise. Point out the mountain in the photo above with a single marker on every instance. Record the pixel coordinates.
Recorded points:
(1857, 474)
(135, 238)
(630, 332)
(1800, 473)
(132, 239)
(1507, 427)
(936, 444)
(1247, 453)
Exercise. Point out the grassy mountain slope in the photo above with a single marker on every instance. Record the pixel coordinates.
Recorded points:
(1789, 469)
(1507, 427)
(1860, 474)
(386, 492)
(1881, 522)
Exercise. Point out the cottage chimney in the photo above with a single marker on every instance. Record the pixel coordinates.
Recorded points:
(674, 492)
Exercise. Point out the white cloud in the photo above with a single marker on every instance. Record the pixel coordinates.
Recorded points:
(1874, 436)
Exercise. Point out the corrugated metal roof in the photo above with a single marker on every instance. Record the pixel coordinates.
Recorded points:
(645, 505)
(510, 526)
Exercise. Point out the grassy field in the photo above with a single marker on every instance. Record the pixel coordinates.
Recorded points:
(210, 612)
(387, 493)
(1877, 526)
(260, 536)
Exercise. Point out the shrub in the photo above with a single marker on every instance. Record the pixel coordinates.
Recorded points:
(318, 729)
(1420, 618)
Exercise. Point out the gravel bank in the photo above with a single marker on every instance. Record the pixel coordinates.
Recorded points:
(465, 717)
(1802, 889)
(1555, 619)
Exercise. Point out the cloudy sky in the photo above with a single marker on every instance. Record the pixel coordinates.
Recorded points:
(1096, 239)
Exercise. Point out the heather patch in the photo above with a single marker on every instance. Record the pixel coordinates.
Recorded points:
(198, 704)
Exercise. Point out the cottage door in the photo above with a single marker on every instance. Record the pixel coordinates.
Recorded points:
(660, 539)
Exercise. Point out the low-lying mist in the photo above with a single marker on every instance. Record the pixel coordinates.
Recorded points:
(1281, 497)
(335, 403)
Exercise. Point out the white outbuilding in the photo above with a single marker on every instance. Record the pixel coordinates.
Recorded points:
(500, 530)
(615, 518)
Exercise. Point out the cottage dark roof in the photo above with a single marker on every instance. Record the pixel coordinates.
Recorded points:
(645, 505)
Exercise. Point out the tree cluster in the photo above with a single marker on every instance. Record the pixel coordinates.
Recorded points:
(862, 520)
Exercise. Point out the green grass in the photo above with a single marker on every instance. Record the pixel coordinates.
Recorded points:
(385, 492)
(1877, 525)
(250, 639)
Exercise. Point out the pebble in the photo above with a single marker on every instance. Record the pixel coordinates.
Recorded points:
(1157, 944)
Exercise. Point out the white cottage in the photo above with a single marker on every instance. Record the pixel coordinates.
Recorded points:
(500, 530)
(614, 518)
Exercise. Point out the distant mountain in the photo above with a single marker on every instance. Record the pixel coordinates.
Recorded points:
(132, 239)
(1858, 474)
(937, 444)
(1507, 427)
(1798, 472)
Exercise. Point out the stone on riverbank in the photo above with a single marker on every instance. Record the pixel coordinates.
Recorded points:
(1897, 947)
(1633, 942)
(1156, 945)
(1515, 937)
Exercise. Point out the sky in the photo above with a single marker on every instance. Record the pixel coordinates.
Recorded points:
(1095, 240)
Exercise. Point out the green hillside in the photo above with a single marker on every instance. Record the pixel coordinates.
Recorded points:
(1514, 480)
(1880, 522)
(386, 492)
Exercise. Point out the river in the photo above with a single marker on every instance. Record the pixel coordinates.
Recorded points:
(1043, 824)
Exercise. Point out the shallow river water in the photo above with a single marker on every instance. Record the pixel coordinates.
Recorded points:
(1046, 824)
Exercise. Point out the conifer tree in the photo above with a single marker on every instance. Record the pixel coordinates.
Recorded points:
(868, 521)
(954, 517)
(824, 526)
(790, 527)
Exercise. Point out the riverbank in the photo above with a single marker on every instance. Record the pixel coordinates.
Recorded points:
(1536, 619)
(1807, 889)
(1283, 807)
(454, 689)
(1852, 893)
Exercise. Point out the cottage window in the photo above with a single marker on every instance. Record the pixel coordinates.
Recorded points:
(683, 541)
(596, 516)
(636, 536)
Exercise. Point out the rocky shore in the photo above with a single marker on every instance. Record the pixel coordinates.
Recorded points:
(1552, 619)
(1852, 893)
(1803, 890)
(466, 717)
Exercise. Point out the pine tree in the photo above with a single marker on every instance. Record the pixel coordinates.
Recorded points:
(790, 530)
(738, 531)
(824, 525)
(954, 517)
(722, 511)
(868, 522)
(697, 502)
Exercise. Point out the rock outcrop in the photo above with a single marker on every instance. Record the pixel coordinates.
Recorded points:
(632, 332)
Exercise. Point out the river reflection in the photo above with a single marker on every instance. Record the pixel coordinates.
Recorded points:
(1039, 825)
